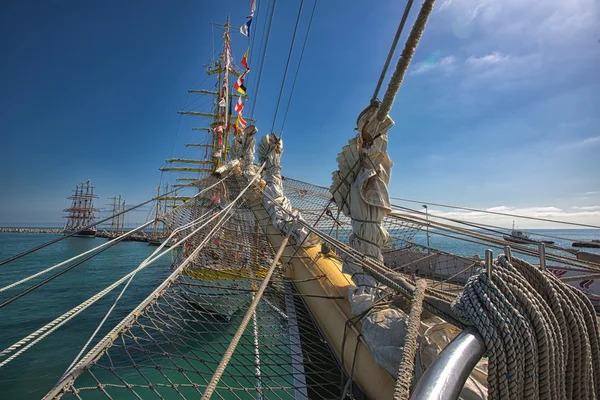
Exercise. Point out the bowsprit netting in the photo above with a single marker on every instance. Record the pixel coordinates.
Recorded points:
(170, 345)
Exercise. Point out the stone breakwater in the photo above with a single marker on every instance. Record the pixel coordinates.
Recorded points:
(31, 230)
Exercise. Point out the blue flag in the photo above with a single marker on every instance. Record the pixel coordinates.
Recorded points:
(245, 29)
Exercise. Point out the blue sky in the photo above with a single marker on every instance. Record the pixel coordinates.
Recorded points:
(500, 108)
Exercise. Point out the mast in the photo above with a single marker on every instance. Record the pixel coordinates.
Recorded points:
(114, 212)
(156, 214)
(123, 218)
(216, 145)
(82, 211)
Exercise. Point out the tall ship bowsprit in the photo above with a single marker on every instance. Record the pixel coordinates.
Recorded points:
(82, 213)
(277, 288)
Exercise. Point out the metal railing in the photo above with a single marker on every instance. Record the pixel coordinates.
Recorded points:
(446, 377)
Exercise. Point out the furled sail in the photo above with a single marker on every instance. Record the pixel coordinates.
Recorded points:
(275, 202)
(360, 190)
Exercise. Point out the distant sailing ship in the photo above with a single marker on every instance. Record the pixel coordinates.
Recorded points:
(518, 236)
(81, 214)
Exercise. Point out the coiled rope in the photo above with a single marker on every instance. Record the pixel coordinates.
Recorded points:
(541, 334)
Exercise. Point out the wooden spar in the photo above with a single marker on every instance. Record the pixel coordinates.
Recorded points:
(330, 314)
(208, 115)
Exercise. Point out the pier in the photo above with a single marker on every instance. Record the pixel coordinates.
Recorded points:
(31, 230)
(136, 237)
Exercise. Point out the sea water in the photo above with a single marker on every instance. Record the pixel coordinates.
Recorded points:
(32, 374)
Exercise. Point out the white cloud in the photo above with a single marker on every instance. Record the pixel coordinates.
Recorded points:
(587, 208)
(548, 20)
(494, 58)
(553, 39)
(445, 65)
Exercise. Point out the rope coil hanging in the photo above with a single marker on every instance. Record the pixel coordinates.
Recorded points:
(541, 335)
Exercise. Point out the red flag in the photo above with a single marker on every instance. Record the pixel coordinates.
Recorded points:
(239, 84)
(239, 107)
(241, 121)
(244, 61)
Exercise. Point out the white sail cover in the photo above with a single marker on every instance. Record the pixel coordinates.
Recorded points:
(270, 149)
(242, 153)
(247, 151)
(360, 190)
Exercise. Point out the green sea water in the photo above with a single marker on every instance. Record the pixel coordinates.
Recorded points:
(32, 374)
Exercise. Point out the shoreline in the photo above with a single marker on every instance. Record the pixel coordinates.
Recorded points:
(31, 230)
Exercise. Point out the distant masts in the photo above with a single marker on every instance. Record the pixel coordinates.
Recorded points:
(82, 213)
(117, 223)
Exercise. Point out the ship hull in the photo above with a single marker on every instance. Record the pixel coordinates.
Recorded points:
(86, 233)
(526, 241)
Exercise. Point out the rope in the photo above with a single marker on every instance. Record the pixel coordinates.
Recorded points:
(287, 64)
(41, 246)
(407, 365)
(487, 228)
(498, 213)
(58, 322)
(5, 288)
(262, 61)
(392, 49)
(298, 69)
(100, 249)
(373, 268)
(212, 385)
(541, 335)
(407, 54)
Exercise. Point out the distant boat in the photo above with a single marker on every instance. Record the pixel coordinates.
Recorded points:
(517, 236)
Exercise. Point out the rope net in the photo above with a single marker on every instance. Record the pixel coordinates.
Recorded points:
(316, 205)
(171, 344)
(170, 347)
(401, 253)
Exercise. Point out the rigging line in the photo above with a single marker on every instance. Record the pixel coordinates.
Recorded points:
(66, 317)
(498, 213)
(298, 69)
(148, 260)
(392, 49)
(58, 239)
(405, 58)
(185, 104)
(212, 385)
(93, 354)
(287, 64)
(5, 288)
(56, 275)
(485, 226)
(260, 46)
(262, 61)
(255, 18)
(524, 249)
